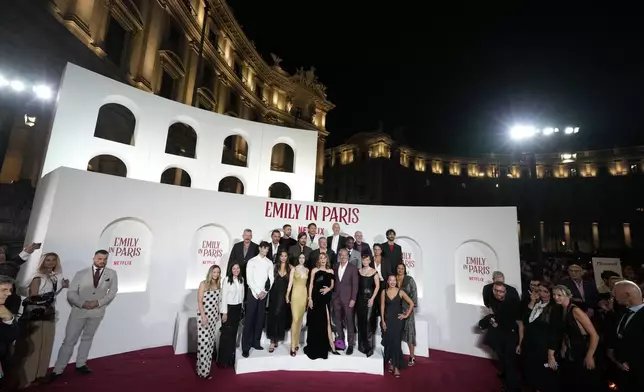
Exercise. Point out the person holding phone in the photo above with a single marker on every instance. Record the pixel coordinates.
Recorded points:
(40, 312)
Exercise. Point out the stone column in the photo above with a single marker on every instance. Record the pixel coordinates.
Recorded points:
(595, 229)
(567, 236)
(178, 173)
(542, 234)
(319, 167)
(627, 235)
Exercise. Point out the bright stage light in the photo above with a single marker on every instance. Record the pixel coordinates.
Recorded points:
(42, 92)
(548, 131)
(30, 121)
(17, 85)
(3, 81)
(519, 132)
(575, 130)
(569, 130)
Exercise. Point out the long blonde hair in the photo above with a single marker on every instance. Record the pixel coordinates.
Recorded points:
(212, 284)
(58, 269)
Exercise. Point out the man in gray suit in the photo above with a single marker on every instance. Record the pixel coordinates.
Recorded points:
(89, 293)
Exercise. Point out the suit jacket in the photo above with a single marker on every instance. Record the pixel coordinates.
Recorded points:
(312, 243)
(270, 254)
(315, 255)
(488, 294)
(355, 258)
(394, 257)
(295, 252)
(346, 289)
(341, 244)
(82, 289)
(628, 348)
(286, 243)
(363, 248)
(8, 334)
(237, 256)
(591, 295)
(386, 268)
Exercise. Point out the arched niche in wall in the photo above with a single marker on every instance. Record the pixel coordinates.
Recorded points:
(176, 176)
(235, 151)
(129, 244)
(107, 164)
(181, 140)
(211, 246)
(282, 158)
(231, 184)
(116, 123)
(279, 190)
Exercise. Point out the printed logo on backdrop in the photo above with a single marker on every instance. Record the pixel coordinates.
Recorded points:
(601, 264)
(128, 241)
(287, 211)
(474, 263)
(211, 246)
(413, 258)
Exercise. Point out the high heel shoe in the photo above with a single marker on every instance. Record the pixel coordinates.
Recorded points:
(293, 353)
(335, 352)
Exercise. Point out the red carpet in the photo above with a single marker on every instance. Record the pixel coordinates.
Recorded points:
(159, 370)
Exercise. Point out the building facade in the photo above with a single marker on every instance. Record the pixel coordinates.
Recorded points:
(155, 45)
(586, 201)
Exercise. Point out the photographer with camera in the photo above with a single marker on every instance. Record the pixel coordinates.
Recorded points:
(39, 318)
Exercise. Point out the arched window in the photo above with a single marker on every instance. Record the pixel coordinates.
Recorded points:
(176, 176)
(282, 158)
(279, 190)
(107, 164)
(235, 151)
(182, 140)
(115, 123)
(231, 184)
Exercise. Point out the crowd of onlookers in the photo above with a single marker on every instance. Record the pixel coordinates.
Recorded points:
(565, 331)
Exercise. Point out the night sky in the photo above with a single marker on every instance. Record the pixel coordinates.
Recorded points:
(449, 81)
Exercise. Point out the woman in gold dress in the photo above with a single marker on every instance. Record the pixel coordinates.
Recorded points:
(296, 296)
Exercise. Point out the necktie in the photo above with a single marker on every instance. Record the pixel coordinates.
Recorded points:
(97, 277)
(622, 324)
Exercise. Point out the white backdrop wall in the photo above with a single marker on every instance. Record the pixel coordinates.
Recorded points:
(72, 142)
(163, 239)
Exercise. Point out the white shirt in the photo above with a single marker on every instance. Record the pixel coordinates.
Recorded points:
(258, 270)
(334, 242)
(231, 294)
(312, 243)
(379, 269)
(341, 270)
(275, 247)
(47, 282)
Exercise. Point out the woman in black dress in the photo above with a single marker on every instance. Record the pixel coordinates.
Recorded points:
(319, 337)
(393, 324)
(579, 370)
(277, 320)
(368, 288)
(541, 320)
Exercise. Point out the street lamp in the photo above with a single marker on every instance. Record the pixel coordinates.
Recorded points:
(521, 133)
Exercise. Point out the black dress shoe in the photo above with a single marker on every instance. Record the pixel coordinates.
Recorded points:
(369, 353)
(349, 350)
(259, 348)
(245, 354)
(84, 370)
(52, 376)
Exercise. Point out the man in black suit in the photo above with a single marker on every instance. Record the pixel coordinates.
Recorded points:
(488, 292)
(9, 267)
(8, 324)
(335, 242)
(391, 250)
(362, 247)
(287, 241)
(274, 247)
(242, 252)
(584, 292)
(628, 338)
(300, 248)
(315, 255)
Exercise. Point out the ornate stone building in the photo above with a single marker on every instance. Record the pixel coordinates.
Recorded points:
(586, 201)
(155, 45)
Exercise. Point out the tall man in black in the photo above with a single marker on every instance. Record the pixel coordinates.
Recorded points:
(260, 277)
(503, 332)
(274, 248)
(242, 252)
(391, 250)
(628, 338)
(488, 293)
(287, 240)
(335, 242)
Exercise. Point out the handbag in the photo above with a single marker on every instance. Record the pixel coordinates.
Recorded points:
(39, 307)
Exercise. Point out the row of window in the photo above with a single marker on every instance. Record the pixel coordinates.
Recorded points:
(116, 123)
(109, 164)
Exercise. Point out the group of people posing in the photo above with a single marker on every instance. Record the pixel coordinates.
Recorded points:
(567, 337)
(339, 282)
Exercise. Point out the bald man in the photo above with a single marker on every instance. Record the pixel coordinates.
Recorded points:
(627, 351)
(335, 242)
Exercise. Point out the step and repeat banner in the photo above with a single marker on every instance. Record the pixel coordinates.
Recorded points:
(165, 238)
